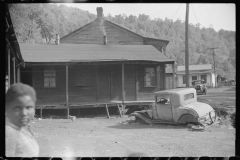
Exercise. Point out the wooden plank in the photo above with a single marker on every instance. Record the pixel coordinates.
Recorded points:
(173, 75)
(14, 70)
(18, 74)
(108, 116)
(123, 97)
(9, 68)
(67, 90)
(97, 84)
(136, 79)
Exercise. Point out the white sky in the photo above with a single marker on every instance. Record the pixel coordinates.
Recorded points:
(216, 15)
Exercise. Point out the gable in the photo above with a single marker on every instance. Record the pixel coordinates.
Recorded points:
(93, 33)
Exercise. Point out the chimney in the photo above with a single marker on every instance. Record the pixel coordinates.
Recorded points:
(57, 39)
(99, 12)
(104, 39)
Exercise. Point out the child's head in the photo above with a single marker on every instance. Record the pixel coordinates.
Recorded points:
(20, 104)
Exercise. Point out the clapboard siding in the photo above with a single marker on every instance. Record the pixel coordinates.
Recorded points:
(85, 92)
(116, 82)
(103, 84)
(93, 34)
(130, 82)
(55, 95)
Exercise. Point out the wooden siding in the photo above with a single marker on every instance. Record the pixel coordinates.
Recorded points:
(50, 95)
(100, 84)
(130, 82)
(116, 82)
(103, 83)
(93, 34)
(87, 92)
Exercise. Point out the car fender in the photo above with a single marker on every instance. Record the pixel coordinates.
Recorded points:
(141, 115)
(186, 118)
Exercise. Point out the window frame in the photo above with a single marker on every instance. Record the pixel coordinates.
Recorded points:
(155, 77)
(51, 79)
(205, 80)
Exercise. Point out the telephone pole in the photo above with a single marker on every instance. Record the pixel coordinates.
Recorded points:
(186, 47)
(214, 66)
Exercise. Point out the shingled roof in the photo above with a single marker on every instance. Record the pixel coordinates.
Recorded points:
(90, 53)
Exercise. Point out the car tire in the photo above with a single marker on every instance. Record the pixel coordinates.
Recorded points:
(205, 92)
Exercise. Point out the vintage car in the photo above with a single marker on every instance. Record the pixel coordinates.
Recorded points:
(200, 87)
(177, 106)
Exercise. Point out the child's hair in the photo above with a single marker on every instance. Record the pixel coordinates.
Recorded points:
(19, 90)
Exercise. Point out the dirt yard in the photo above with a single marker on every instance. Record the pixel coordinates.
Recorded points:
(102, 137)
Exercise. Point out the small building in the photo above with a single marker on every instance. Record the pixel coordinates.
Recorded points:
(99, 64)
(13, 55)
(196, 72)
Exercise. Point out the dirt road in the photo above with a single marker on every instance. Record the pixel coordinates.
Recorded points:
(98, 137)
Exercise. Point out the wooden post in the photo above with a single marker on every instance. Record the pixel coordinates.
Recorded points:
(136, 79)
(97, 84)
(186, 47)
(173, 75)
(120, 112)
(14, 70)
(164, 81)
(18, 74)
(9, 68)
(107, 111)
(41, 112)
(123, 94)
(67, 91)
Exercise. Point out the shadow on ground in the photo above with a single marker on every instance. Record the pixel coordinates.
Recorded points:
(146, 126)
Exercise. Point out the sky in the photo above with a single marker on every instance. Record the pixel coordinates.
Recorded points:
(215, 15)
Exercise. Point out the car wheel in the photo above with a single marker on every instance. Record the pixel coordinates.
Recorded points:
(205, 92)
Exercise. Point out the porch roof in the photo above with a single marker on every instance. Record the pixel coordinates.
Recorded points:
(90, 53)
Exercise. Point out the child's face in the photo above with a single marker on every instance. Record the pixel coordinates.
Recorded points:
(21, 111)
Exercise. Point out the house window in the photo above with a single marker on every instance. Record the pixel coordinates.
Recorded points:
(204, 77)
(49, 78)
(150, 77)
(184, 79)
(194, 78)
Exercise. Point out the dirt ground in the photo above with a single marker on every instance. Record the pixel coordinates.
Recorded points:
(102, 137)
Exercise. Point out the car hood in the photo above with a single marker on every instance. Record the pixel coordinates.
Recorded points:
(200, 108)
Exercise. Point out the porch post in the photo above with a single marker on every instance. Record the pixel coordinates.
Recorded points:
(9, 67)
(14, 72)
(173, 75)
(123, 94)
(18, 73)
(164, 85)
(67, 90)
(41, 112)
(136, 79)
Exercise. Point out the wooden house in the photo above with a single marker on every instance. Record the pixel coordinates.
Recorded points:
(99, 64)
(13, 55)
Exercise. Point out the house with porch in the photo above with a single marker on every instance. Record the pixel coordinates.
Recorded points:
(196, 72)
(98, 65)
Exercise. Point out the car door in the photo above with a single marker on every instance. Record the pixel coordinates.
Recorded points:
(164, 107)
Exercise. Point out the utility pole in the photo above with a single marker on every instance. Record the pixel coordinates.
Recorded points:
(186, 47)
(214, 66)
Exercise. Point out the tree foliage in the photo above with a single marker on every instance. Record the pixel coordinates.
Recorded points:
(40, 22)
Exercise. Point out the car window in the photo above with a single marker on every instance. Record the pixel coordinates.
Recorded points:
(188, 96)
(163, 99)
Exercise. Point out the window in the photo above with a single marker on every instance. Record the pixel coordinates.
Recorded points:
(150, 78)
(184, 79)
(163, 99)
(204, 77)
(188, 96)
(194, 78)
(49, 78)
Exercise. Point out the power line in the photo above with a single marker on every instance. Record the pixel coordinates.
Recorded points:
(195, 16)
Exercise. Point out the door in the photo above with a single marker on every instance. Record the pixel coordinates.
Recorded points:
(164, 107)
